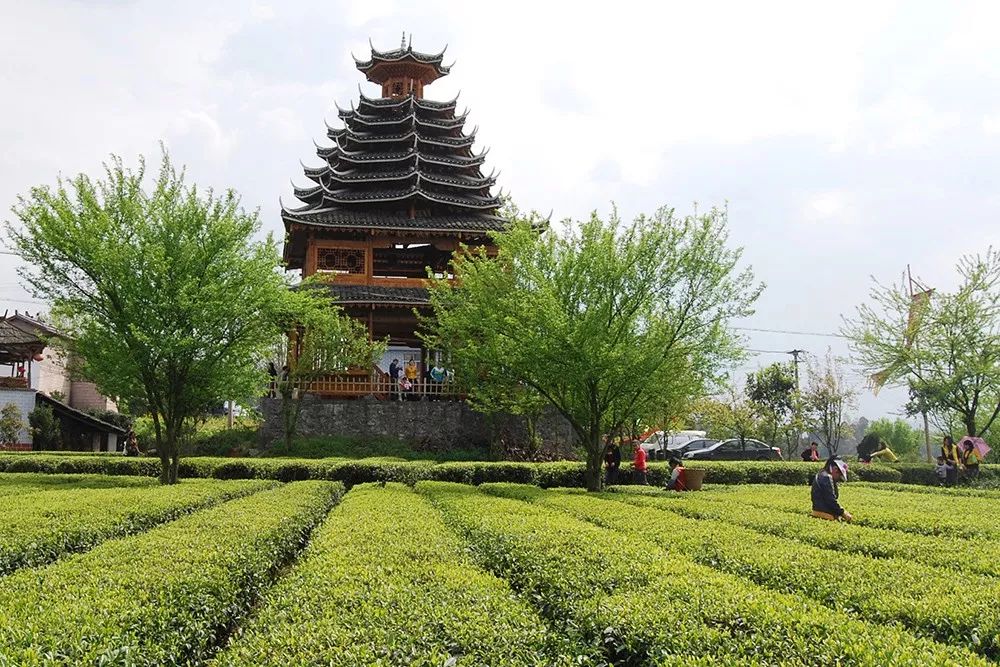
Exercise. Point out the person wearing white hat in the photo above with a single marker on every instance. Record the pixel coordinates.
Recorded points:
(825, 493)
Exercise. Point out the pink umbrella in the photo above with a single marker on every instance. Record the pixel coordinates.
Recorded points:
(982, 449)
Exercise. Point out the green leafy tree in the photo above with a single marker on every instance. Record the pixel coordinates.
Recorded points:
(736, 416)
(902, 438)
(46, 432)
(827, 400)
(772, 391)
(10, 424)
(165, 293)
(945, 348)
(610, 323)
(322, 341)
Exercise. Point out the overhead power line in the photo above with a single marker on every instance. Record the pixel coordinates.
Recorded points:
(3, 298)
(795, 333)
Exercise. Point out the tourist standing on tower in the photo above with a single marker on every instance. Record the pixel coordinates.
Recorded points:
(412, 374)
(394, 380)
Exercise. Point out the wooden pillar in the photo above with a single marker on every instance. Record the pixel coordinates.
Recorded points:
(310, 266)
(369, 260)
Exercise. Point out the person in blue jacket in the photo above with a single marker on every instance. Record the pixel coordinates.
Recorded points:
(825, 494)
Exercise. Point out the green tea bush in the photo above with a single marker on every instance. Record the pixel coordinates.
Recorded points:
(885, 591)
(920, 513)
(20, 483)
(979, 556)
(164, 597)
(646, 605)
(385, 582)
(51, 523)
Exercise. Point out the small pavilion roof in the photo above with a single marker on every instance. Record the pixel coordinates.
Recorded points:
(376, 294)
(17, 345)
(395, 221)
(430, 65)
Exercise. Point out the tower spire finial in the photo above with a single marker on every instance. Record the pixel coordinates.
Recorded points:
(402, 41)
(411, 42)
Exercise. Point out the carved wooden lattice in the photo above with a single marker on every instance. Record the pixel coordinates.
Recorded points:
(341, 260)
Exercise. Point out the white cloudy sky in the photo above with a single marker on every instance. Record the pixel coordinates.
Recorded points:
(849, 138)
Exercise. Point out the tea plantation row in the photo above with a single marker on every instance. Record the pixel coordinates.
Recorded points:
(214, 572)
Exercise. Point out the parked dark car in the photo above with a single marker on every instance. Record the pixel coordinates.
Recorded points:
(735, 450)
(689, 446)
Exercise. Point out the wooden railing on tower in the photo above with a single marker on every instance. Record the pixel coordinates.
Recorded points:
(360, 383)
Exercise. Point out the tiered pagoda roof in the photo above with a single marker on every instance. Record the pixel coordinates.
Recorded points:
(399, 163)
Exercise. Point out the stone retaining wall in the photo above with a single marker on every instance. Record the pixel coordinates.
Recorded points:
(425, 425)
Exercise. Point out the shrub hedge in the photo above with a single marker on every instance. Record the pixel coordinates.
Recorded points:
(359, 471)
(50, 523)
(163, 597)
(646, 605)
(412, 593)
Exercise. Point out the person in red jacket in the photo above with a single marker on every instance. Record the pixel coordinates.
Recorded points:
(678, 476)
(639, 463)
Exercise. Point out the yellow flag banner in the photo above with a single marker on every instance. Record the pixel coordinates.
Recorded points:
(877, 380)
(918, 306)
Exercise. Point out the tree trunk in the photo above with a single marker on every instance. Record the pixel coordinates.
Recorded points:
(169, 452)
(927, 437)
(531, 425)
(970, 424)
(595, 457)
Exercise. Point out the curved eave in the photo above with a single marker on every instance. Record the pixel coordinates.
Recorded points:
(368, 158)
(348, 135)
(443, 123)
(374, 177)
(477, 184)
(371, 197)
(350, 118)
(385, 102)
(481, 204)
(316, 173)
(376, 121)
(326, 152)
(431, 105)
(488, 224)
(305, 194)
(293, 212)
(449, 142)
(402, 175)
(474, 161)
(390, 102)
(477, 204)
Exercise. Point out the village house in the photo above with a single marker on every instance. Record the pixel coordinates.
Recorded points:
(33, 372)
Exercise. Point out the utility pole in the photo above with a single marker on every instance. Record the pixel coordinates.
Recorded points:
(798, 397)
(795, 360)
